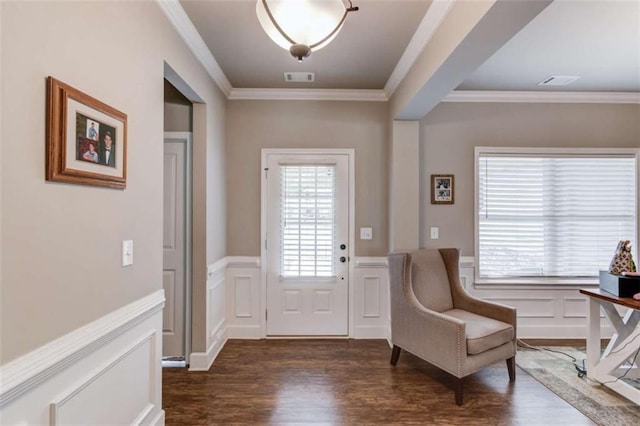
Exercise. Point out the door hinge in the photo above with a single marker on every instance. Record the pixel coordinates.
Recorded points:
(266, 315)
(266, 172)
(265, 245)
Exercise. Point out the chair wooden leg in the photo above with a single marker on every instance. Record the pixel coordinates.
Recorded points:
(395, 354)
(458, 389)
(511, 367)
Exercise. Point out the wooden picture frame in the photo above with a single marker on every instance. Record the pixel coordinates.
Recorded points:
(86, 140)
(442, 189)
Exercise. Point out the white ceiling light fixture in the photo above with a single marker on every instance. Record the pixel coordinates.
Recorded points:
(302, 26)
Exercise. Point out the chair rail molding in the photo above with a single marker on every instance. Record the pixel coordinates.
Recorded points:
(100, 357)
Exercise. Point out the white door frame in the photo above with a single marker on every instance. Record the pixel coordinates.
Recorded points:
(188, 265)
(350, 153)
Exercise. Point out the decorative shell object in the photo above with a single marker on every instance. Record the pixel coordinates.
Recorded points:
(622, 260)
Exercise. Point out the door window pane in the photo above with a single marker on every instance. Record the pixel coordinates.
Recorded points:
(307, 216)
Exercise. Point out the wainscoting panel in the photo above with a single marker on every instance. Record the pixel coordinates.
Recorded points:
(528, 307)
(544, 311)
(85, 403)
(243, 286)
(371, 305)
(216, 326)
(574, 307)
(107, 372)
(242, 292)
(371, 297)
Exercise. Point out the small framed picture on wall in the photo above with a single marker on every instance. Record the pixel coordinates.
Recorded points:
(442, 189)
(86, 140)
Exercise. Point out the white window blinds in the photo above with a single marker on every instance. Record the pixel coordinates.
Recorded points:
(553, 216)
(307, 236)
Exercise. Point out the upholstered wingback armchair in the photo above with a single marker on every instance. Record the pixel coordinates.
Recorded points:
(434, 318)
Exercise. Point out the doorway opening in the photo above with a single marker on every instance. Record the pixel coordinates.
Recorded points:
(177, 229)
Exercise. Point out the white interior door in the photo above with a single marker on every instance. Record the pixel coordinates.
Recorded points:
(307, 249)
(175, 239)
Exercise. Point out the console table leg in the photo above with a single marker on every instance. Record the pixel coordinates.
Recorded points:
(593, 336)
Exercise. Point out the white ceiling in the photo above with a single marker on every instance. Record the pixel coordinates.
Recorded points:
(598, 40)
(362, 56)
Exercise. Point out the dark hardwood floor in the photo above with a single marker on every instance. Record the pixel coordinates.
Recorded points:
(342, 382)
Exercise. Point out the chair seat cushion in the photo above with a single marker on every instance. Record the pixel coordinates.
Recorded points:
(482, 333)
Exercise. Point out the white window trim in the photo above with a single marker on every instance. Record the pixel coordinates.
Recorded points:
(538, 151)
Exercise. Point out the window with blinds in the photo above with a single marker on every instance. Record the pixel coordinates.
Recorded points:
(553, 215)
(307, 214)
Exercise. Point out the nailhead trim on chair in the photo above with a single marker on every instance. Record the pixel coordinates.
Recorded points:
(459, 355)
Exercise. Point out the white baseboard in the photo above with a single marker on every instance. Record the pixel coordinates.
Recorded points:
(244, 332)
(371, 332)
(66, 380)
(158, 420)
(202, 361)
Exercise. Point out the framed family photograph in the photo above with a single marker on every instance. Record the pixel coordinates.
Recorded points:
(442, 189)
(86, 139)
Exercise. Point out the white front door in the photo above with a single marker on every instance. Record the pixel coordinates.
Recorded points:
(307, 252)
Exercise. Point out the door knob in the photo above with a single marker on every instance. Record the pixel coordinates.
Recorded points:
(343, 259)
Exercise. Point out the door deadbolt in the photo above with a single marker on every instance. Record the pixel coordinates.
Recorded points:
(343, 246)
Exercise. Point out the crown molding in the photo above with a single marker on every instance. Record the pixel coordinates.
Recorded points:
(544, 97)
(363, 95)
(183, 25)
(435, 15)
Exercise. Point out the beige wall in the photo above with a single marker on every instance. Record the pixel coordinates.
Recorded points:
(254, 125)
(452, 130)
(61, 243)
(404, 186)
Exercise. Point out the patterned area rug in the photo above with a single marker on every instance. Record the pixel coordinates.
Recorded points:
(558, 373)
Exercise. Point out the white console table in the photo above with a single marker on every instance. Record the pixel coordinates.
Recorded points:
(608, 366)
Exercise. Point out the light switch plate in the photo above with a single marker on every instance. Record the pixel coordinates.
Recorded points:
(366, 233)
(435, 233)
(127, 252)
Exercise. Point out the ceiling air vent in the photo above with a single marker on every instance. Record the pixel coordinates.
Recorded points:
(558, 80)
(299, 77)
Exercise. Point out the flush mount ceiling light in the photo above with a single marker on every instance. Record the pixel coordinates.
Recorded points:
(302, 26)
